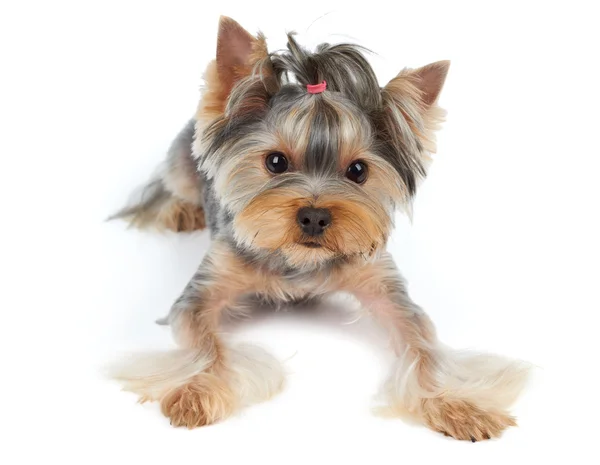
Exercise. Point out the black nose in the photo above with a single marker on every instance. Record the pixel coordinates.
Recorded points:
(313, 221)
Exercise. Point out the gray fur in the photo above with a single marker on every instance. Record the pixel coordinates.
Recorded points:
(343, 66)
(465, 396)
(176, 179)
(256, 105)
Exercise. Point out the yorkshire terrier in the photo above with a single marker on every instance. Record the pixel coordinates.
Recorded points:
(298, 162)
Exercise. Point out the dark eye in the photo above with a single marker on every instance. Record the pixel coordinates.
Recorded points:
(277, 163)
(357, 172)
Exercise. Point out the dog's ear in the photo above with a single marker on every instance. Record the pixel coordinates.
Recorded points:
(410, 101)
(237, 52)
(423, 84)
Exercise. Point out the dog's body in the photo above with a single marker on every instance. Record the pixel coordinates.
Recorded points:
(299, 185)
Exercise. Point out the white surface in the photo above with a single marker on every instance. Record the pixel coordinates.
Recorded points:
(503, 250)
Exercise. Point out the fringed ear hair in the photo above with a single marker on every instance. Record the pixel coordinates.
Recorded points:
(429, 80)
(411, 99)
(409, 119)
(238, 52)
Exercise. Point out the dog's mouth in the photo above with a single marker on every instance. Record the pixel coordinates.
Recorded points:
(311, 245)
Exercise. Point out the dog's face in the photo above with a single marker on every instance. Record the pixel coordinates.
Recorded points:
(312, 177)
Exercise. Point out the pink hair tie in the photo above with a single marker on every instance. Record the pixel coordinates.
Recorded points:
(316, 88)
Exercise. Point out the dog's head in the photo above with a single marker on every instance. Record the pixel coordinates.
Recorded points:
(312, 177)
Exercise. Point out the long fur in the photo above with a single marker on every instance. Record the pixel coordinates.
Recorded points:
(255, 375)
(491, 381)
(172, 198)
(254, 105)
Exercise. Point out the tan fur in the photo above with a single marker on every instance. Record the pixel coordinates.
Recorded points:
(464, 420)
(463, 395)
(214, 96)
(181, 177)
(181, 216)
(224, 72)
(196, 390)
(382, 182)
(361, 225)
(269, 222)
(234, 276)
(207, 380)
(204, 400)
(357, 228)
(246, 376)
(414, 93)
(237, 277)
(169, 214)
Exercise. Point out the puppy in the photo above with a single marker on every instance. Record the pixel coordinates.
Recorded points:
(298, 162)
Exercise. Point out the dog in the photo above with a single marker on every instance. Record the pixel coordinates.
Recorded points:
(297, 162)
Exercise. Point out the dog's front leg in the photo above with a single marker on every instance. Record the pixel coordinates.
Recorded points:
(206, 379)
(461, 395)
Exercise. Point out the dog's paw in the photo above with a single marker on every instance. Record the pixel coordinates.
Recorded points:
(205, 400)
(464, 420)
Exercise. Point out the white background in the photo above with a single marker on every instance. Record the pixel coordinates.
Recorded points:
(502, 252)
